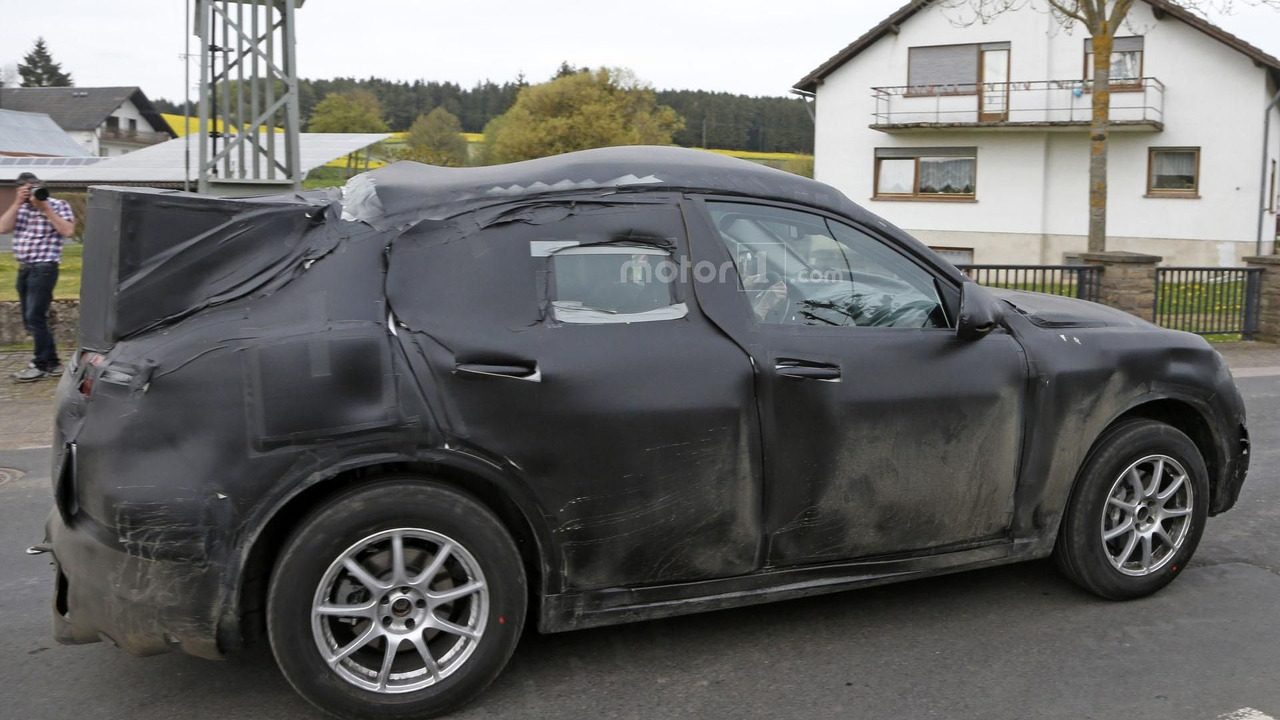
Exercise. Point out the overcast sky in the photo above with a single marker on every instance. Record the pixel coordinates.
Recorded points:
(756, 47)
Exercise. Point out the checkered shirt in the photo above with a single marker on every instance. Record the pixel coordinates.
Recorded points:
(34, 237)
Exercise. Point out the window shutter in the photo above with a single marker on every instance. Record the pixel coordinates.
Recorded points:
(942, 65)
(912, 152)
(1120, 44)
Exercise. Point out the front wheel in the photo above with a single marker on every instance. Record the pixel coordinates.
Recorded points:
(1137, 512)
(398, 599)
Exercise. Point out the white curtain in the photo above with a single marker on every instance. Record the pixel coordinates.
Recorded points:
(947, 175)
(1125, 65)
(1174, 163)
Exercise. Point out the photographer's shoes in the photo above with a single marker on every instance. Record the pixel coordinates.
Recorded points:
(31, 373)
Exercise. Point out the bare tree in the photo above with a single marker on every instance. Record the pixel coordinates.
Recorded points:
(1102, 19)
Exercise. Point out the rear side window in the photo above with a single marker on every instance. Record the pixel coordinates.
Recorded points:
(613, 284)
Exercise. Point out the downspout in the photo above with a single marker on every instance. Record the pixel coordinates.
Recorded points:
(809, 100)
(1262, 189)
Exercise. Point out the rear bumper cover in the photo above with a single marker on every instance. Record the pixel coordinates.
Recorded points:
(143, 606)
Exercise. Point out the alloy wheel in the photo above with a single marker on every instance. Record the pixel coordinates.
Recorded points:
(400, 610)
(1147, 516)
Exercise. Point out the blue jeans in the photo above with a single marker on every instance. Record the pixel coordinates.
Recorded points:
(35, 290)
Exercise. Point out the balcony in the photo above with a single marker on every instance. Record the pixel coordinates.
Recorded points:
(132, 137)
(1029, 104)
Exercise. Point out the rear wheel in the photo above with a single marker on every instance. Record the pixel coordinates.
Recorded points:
(1137, 512)
(399, 599)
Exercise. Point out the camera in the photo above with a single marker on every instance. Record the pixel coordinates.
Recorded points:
(40, 192)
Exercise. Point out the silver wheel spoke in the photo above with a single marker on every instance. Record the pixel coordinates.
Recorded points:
(365, 637)
(454, 629)
(1124, 555)
(362, 576)
(388, 657)
(455, 593)
(1119, 530)
(1156, 475)
(367, 610)
(1176, 512)
(425, 653)
(398, 574)
(1117, 502)
(1135, 481)
(1163, 534)
(1146, 552)
(1173, 488)
(442, 555)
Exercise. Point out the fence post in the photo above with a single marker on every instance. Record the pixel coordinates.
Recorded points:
(1268, 308)
(1127, 281)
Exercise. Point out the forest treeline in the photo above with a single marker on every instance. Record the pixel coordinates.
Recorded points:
(712, 119)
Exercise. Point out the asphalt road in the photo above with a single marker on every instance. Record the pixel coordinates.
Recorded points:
(1014, 642)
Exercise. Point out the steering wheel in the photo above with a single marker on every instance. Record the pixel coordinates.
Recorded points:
(779, 312)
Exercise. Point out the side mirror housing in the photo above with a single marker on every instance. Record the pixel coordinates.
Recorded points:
(980, 312)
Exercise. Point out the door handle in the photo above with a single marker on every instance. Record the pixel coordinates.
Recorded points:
(793, 369)
(515, 372)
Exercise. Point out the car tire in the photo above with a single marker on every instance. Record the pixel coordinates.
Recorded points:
(383, 576)
(1136, 513)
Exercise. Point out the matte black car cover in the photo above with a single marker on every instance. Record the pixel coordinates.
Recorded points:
(241, 357)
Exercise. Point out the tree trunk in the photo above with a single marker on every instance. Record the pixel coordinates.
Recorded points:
(1099, 128)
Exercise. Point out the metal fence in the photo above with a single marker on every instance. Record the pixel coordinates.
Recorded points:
(1208, 300)
(1078, 281)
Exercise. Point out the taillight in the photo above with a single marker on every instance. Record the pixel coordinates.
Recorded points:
(86, 387)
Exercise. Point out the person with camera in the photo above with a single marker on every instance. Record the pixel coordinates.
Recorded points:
(39, 224)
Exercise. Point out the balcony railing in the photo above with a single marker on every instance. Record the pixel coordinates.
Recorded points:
(1028, 103)
(134, 137)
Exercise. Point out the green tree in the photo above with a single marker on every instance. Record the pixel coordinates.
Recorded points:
(436, 139)
(39, 70)
(357, 111)
(580, 111)
(565, 70)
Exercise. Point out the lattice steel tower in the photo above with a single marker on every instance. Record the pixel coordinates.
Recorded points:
(248, 105)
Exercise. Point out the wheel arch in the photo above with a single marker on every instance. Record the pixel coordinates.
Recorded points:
(1183, 415)
(245, 621)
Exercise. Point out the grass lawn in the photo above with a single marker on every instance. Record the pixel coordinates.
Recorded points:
(1201, 306)
(68, 287)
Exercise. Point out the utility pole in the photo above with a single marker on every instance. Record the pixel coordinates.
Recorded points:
(247, 55)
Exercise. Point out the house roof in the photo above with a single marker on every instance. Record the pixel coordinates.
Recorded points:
(810, 82)
(24, 133)
(44, 167)
(167, 161)
(79, 108)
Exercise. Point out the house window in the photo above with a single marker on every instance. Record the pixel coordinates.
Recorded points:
(1126, 62)
(955, 69)
(133, 125)
(947, 69)
(113, 122)
(1173, 172)
(946, 173)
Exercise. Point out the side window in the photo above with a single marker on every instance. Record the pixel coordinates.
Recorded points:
(613, 284)
(797, 268)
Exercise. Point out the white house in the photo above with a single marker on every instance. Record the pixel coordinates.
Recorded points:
(976, 137)
(106, 121)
